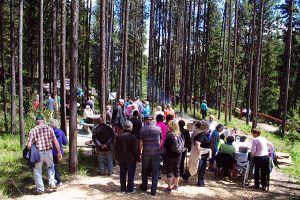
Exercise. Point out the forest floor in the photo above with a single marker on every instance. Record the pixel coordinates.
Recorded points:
(89, 185)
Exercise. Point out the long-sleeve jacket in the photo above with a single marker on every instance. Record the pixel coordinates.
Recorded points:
(126, 148)
(103, 135)
(118, 116)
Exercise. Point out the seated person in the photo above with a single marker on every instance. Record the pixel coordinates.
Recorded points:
(228, 147)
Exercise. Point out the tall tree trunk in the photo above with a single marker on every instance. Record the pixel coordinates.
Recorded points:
(183, 61)
(102, 57)
(257, 65)
(73, 164)
(221, 61)
(109, 53)
(13, 70)
(41, 54)
(150, 54)
(125, 48)
(87, 59)
(2, 68)
(21, 99)
(234, 57)
(251, 64)
(228, 60)
(54, 55)
(169, 54)
(63, 67)
(288, 65)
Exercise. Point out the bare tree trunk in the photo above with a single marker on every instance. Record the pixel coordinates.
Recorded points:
(228, 61)
(257, 63)
(221, 62)
(21, 98)
(2, 68)
(109, 53)
(41, 54)
(251, 64)
(150, 54)
(102, 57)
(288, 65)
(63, 67)
(234, 57)
(54, 55)
(169, 54)
(87, 59)
(13, 70)
(183, 61)
(73, 164)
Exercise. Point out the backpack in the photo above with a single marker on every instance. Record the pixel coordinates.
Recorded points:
(178, 145)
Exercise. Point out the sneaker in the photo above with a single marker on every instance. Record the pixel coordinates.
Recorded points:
(59, 184)
(52, 186)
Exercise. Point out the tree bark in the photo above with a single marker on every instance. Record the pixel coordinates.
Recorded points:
(73, 164)
(257, 65)
(41, 54)
(228, 61)
(54, 56)
(2, 68)
(63, 67)
(150, 54)
(234, 57)
(13, 70)
(21, 99)
(102, 57)
(288, 65)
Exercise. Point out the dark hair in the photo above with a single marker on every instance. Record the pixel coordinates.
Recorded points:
(169, 117)
(135, 113)
(181, 123)
(159, 118)
(220, 127)
(230, 139)
(222, 136)
(256, 130)
(198, 124)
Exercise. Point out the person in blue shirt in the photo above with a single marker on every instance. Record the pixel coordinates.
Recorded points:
(215, 139)
(147, 110)
(204, 109)
(50, 105)
(62, 140)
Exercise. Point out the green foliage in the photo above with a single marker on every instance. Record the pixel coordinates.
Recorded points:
(294, 126)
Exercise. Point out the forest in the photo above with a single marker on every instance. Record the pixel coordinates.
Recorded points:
(235, 54)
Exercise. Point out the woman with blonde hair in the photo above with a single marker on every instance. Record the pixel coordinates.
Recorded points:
(174, 146)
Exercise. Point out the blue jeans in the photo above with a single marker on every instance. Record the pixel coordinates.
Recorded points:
(45, 156)
(105, 160)
(127, 167)
(201, 170)
(57, 174)
(150, 161)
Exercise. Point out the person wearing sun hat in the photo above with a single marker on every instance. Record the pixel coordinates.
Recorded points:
(200, 152)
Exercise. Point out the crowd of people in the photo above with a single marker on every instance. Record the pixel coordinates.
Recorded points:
(156, 140)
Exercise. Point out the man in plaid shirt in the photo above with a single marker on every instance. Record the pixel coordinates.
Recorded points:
(42, 137)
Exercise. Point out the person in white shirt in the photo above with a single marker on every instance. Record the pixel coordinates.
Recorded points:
(260, 151)
(212, 123)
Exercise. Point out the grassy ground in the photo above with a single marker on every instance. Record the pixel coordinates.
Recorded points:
(281, 144)
(16, 176)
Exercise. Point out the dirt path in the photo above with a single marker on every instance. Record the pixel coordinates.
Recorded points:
(99, 187)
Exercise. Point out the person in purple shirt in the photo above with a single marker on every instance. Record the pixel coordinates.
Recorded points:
(62, 140)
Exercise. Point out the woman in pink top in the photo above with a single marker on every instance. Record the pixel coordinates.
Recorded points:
(260, 150)
(164, 128)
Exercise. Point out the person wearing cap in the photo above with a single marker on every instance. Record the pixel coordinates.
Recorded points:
(103, 136)
(126, 153)
(118, 117)
(200, 152)
(62, 140)
(43, 137)
(204, 109)
(150, 152)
